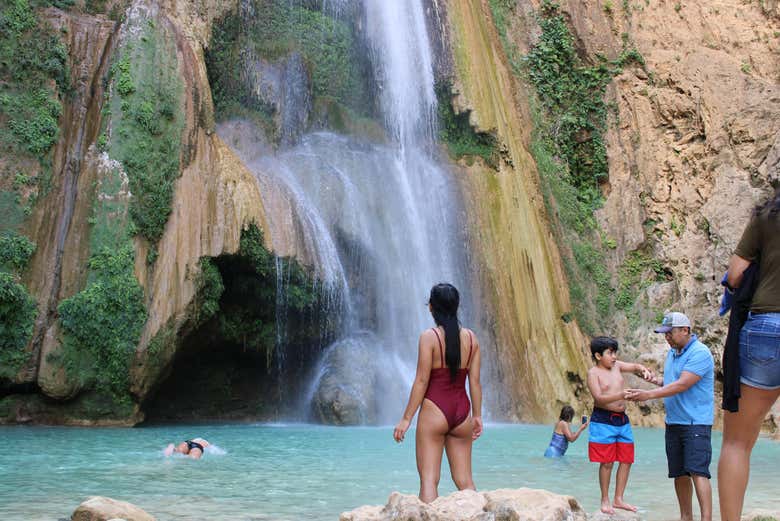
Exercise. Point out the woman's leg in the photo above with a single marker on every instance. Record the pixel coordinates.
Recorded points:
(431, 430)
(458, 444)
(740, 431)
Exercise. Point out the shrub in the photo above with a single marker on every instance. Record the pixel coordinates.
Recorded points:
(148, 128)
(572, 94)
(31, 56)
(102, 324)
(210, 289)
(458, 134)
(17, 317)
(15, 250)
(637, 272)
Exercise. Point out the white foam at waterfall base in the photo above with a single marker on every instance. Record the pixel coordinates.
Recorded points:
(381, 230)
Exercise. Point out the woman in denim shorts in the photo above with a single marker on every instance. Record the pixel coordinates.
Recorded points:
(759, 354)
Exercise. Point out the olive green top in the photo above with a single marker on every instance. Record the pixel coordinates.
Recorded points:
(761, 240)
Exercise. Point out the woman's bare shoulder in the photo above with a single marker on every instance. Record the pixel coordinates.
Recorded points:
(470, 334)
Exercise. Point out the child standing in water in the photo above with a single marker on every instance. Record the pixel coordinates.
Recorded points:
(562, 435)
(611, 438)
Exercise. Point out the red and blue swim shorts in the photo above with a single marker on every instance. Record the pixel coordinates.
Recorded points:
(611, 438)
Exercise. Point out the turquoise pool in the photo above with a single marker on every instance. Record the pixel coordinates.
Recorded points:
(292, 472)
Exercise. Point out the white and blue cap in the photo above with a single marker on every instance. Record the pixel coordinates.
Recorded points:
(673, 319)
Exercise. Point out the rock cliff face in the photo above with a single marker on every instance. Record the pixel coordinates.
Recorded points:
(540, 355)
(214, 198)
(692, 147)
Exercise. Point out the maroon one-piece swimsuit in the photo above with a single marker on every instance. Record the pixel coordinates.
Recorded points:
(447, 394)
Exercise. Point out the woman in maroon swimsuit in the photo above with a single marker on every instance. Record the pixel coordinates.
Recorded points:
(447, 355)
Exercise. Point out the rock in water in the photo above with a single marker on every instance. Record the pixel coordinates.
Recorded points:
(467, 505)
(100, 508)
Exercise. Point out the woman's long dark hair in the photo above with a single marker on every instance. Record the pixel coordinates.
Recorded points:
(444, 301)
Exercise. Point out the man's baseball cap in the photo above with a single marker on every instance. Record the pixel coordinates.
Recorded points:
(671, 320)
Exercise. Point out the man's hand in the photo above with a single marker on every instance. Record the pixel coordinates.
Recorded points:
(636, 395)
(645, 373)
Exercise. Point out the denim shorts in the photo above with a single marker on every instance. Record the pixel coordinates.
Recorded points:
(688, 450)
(759, 351)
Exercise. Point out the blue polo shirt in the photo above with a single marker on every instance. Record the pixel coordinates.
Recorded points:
(696, 405)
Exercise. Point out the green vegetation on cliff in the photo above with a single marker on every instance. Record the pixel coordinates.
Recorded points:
(146, 126)
(570, 117)
(227, 283)
(15, 251)
(17, 307)
(254, 279)
(34, 76)
(31, 59)
(277, 29)
(457, 133)
(102, 324)
(17, 316)
(210, 289)
(572, 95)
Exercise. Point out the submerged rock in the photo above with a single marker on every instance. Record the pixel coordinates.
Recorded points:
(467, 505)
(345, 392)
(101, 508)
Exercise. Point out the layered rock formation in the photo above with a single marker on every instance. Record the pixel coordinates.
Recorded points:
(692, 147)
(540, 354)
(215, 197)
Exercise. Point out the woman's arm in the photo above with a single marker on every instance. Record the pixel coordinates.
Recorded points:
(420, 385)
(572, 436)
(475, 389)
(737, 266)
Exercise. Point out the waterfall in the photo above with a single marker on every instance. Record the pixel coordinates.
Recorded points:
(380, 222)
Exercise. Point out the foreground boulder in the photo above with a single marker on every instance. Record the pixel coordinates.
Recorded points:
(523, 504)
(100, 508)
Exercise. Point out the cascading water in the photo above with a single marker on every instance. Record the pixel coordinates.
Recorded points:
(380, 223)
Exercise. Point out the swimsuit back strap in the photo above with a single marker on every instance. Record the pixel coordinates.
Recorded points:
(441, 349)
(471, 347)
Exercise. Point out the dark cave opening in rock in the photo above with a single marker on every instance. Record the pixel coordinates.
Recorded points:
(249, 347)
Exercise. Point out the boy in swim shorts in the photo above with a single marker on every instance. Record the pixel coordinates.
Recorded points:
(611, 438)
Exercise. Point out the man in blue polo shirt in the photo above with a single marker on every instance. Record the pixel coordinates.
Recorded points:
(688, 392)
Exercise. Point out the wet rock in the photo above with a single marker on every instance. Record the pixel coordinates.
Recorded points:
(285, 88)
(345, 394)
(468, 505)
(101, 508)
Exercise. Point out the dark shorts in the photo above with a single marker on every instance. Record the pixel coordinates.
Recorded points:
(688, 450)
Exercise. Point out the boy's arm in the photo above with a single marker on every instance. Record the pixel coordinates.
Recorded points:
(638, 369)
(600, 398)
